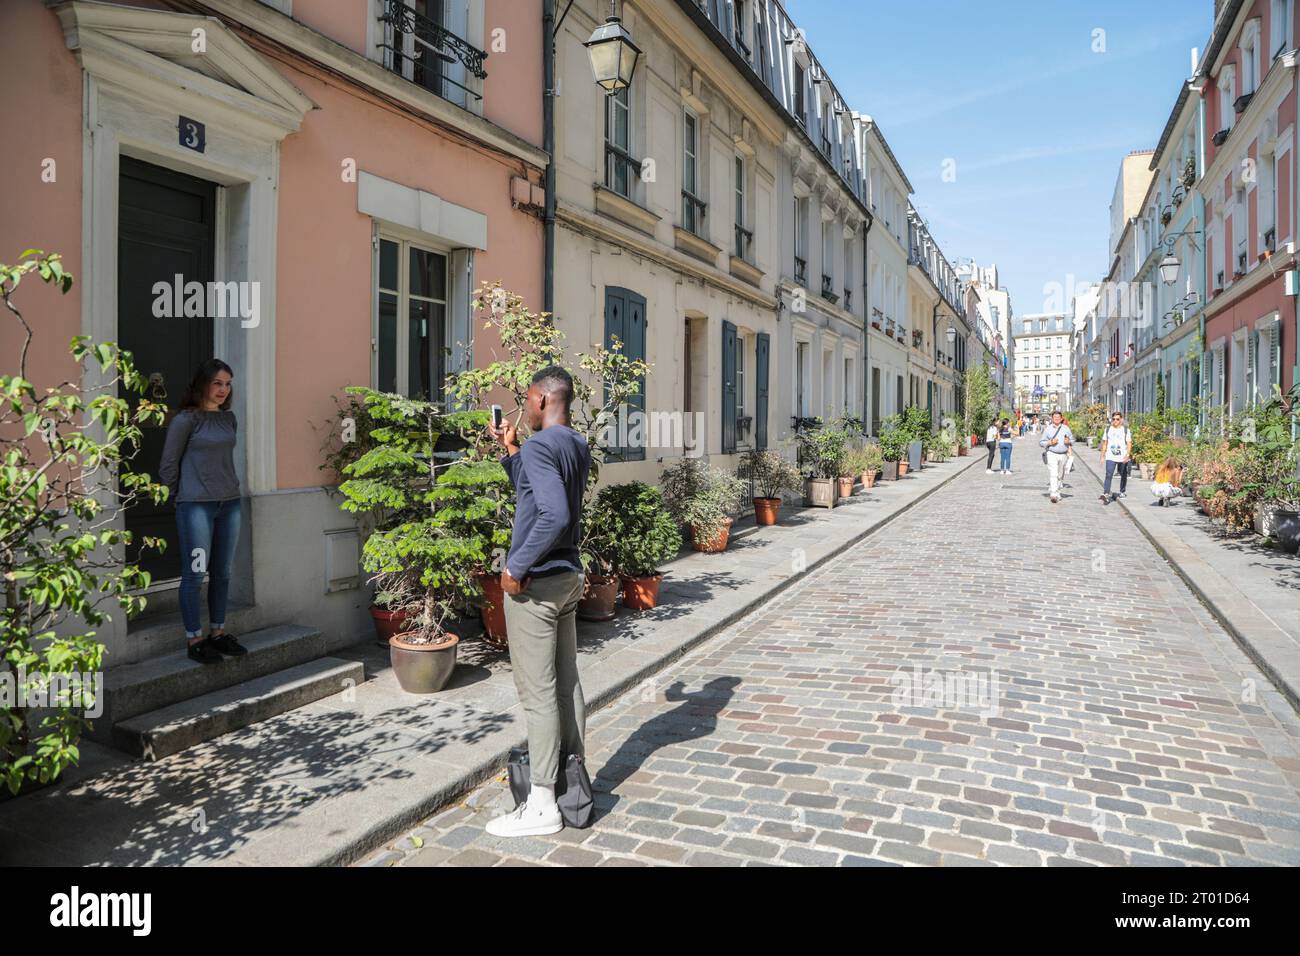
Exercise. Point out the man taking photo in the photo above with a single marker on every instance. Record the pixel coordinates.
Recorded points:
(543, 581)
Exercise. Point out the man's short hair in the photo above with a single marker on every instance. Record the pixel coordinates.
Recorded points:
(556, 383)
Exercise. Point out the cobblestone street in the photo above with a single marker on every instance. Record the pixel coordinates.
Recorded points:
(1093, 712)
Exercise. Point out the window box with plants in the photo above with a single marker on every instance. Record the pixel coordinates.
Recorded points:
(642, 535)
(703, 499)
(772, 476)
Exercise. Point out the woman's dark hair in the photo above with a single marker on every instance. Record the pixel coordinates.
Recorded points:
(203, 376)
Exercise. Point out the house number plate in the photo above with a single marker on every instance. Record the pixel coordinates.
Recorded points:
(193, 134)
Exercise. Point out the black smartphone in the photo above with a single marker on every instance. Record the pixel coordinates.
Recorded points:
(496, 416)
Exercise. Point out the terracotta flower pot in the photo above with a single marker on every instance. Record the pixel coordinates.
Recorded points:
(902, 468)
(422, 668)
(641, 593)
(715, 544)
(868, 479)
(388, 623)
(766, 510)
(846, 486)
(598, 597)
(493, 611)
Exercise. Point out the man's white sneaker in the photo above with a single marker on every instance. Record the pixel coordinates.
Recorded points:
(989, 471)
(1055, 499)
(525, 820)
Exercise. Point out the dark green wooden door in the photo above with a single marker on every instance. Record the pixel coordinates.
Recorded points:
(165, 229)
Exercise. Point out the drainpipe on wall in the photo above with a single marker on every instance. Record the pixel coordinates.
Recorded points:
(866, 326)
(548, 144)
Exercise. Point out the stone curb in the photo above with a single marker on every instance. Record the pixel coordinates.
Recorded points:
(411, 814)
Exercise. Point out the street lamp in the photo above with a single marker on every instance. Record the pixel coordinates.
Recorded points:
(612, 53)
(1169, 269)
(952, 335)
(1096, 355)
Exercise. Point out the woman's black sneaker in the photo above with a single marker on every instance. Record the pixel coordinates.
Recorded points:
(203, 652)
(227, 645)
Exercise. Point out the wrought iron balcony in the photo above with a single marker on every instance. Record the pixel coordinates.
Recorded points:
(621, 169)
(692, 212)
(420, 49)
(828, 289)
(801, 271)
(744, 239)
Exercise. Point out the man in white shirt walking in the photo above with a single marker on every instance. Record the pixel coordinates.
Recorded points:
(1116, 454)
(1056, 442)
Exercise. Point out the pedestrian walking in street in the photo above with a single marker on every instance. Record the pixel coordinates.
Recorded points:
(1004, 446)
(991, 442)
(1056, 441)
(1116, 456)
(198, 466)
(1168, 481)
(542, 582)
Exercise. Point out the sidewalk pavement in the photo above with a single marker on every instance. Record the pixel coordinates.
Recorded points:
(328, 782)
(1253, 590)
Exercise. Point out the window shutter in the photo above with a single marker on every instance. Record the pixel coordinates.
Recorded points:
(728, 388)
(1252, 351)
(761, 350)
(634, 325)
(625, 319)
(1274, 357)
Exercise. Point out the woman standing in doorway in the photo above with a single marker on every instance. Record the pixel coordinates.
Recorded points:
(198, 465)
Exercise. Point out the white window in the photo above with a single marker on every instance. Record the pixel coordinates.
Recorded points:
(742, 342)
(744, 237)
(801, 241)
(620, 169)
(1227, 94)
(411, 315)
(1279, 27)
(828, 257)
(1249, 57)
(692, 207)
(849, 405)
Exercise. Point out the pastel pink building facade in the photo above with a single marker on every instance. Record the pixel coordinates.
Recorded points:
(356, 188)
(1248, 79)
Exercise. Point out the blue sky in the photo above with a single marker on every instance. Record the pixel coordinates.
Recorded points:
(1012, 91)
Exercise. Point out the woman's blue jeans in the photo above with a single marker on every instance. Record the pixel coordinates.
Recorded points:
(209, 531)
(1005, 459)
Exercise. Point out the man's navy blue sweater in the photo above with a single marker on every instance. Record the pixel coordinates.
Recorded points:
(550, 476)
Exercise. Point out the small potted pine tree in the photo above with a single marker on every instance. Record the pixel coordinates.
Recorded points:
(424, 563)
(643, 535)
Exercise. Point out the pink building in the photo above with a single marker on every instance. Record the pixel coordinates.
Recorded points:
(1248, 80)
(357, 168)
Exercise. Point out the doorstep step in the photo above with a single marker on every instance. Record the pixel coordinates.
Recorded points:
(161, 733)
(158, 682)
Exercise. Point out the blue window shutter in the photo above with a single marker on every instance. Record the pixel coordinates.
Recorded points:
(728, 388)
(625, 320)
(761, 350)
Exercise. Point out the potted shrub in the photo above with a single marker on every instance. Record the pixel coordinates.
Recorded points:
(425, 562)
(916, 423)
(600, 587)
(703, 499)
(822, 452)
(642, 536)
(862, 464)
(893, 447)
(772, 475)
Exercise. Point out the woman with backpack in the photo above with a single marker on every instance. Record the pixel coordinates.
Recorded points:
(1004, 446)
